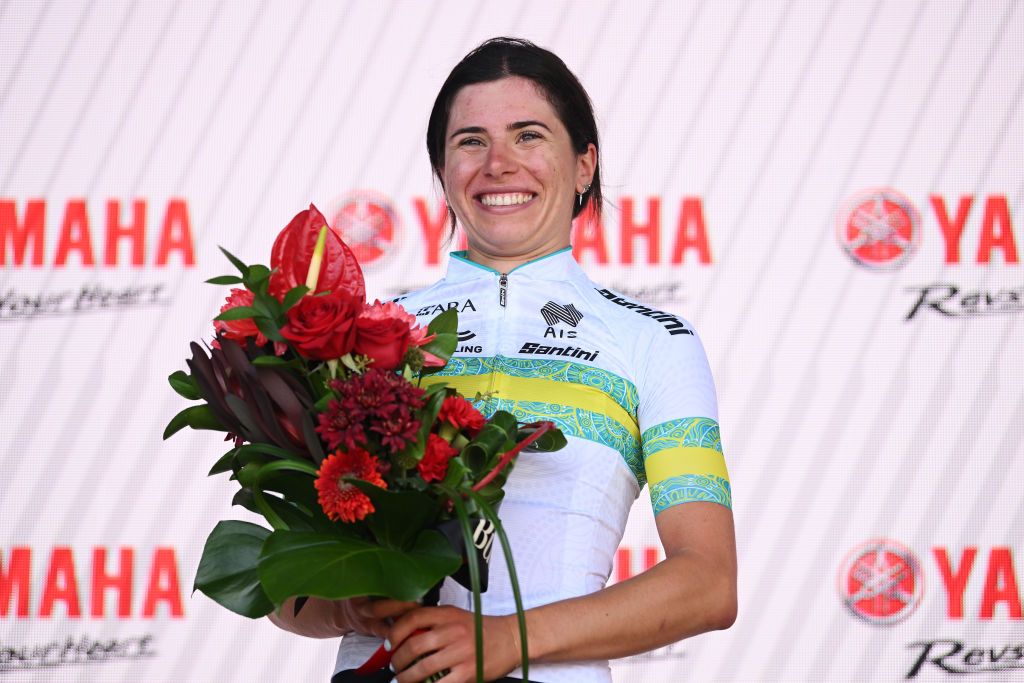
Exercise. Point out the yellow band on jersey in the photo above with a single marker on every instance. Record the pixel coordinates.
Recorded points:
(672, 462)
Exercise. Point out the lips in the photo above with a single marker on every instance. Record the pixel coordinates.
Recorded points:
(505, 198)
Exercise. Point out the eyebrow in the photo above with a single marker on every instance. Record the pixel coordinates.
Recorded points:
(517, 125)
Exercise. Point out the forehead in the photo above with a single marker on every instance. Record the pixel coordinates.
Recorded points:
(495, 104)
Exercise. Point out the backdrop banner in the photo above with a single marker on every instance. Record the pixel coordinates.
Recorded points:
(830, 191)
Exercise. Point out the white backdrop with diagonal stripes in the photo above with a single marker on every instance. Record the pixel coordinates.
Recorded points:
(866, 392)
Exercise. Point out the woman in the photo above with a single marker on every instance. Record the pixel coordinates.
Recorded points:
(513, 142)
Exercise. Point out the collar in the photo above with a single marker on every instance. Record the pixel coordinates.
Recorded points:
(558, 265)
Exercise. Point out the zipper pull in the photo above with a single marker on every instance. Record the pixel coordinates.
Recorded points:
(503, 290)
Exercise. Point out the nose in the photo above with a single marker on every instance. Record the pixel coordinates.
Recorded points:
(500, 160)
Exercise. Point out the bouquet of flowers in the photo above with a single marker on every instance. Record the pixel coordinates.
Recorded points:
(375, 478)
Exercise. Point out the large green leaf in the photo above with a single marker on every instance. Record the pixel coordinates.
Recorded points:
(399, 516)
(228, 569)
(297, 563)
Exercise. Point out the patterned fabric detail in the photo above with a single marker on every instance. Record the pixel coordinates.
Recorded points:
(687, 488)
(702, 432)
(621, 390)
(577, 422)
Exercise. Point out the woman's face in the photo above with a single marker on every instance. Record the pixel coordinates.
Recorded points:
(510, 172)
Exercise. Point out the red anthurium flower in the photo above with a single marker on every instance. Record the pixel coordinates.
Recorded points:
(293, 250)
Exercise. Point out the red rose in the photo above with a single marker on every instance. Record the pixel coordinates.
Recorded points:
(434, 464)
(293, 251)
(383, 334)
(323, 327)
(461, 414)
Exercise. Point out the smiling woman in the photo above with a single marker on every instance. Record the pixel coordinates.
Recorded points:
(511, 173)
(513, 141)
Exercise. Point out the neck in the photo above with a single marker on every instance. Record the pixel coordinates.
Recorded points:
(505, 263)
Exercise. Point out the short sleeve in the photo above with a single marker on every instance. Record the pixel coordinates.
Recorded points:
(678, 418)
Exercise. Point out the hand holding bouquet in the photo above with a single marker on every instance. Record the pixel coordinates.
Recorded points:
(376, 480)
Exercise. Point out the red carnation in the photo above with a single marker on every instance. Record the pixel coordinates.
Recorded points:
(460, 413)
(434, 464)
(323, 326)
(339, 499)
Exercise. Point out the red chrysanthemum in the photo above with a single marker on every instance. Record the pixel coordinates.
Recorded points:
(461, 414)
(434, 464)
(340, 499)
(376, 403)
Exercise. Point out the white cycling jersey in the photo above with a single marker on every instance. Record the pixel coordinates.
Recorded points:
(630, 388)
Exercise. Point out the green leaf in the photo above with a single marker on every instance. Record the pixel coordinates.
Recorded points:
(183, 383)
(196, 417)
(549, 441)
(225, 280)
(257, 274)
(269, 450)
(268, 361)
(399, 516)
(293, 296)
(244, 269)
(495, 438)
(268, 328)
(445, 323)
(224, 464)
(228, 570)
(457, 473)
(239, 313)
(298, 563)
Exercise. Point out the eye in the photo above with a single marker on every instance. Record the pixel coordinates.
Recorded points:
(530, 136)
(469, 142)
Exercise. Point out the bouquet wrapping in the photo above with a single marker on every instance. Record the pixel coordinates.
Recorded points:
(375, 479)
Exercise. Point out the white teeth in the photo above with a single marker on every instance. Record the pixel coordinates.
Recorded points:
(508, 199)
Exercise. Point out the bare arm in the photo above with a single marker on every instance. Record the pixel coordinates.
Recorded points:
(320, 618)
(692, 591)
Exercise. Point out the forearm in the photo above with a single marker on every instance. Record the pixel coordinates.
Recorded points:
(680, 597)
(317, 619)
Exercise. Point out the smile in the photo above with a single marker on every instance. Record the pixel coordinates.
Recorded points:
(506, 199)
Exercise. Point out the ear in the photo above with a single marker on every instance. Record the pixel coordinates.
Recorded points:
(586, 166)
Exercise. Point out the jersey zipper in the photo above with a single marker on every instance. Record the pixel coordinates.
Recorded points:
(503, 290)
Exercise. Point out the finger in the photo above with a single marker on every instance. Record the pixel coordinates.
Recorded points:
(420, 644)
(426, 667)
(420, 618)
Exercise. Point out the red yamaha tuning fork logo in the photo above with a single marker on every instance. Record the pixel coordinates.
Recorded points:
(879, 229)
(368, 223)
(881, 582)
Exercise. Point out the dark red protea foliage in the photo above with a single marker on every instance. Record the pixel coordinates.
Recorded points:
(377, 406)
(259, 404)
(293, 250)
